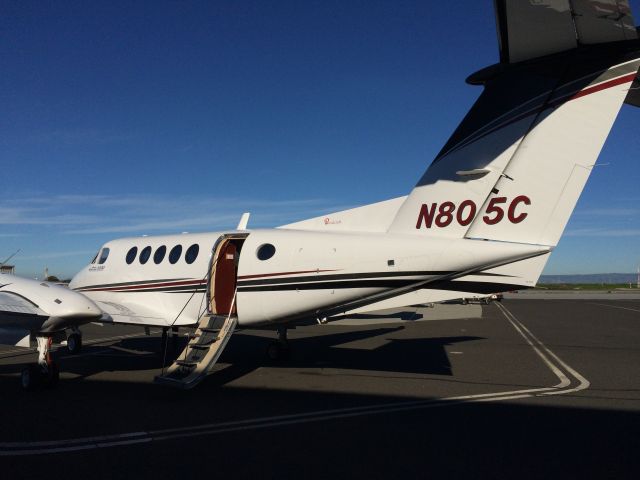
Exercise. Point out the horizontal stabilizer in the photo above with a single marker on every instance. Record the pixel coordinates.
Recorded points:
(535, 28)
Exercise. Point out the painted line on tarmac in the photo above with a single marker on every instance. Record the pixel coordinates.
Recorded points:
(96, 341)
(556, 368)
(567, 377)
(615, 306)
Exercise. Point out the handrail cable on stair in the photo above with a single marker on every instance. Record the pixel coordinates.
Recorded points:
(202, 354)
(210, 271)
(166, 339)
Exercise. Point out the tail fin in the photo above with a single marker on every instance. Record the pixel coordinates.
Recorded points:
(514, 168)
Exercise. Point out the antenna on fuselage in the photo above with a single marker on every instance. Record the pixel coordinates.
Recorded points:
(244, 220)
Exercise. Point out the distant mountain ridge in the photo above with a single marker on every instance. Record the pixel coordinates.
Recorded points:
(606, 278)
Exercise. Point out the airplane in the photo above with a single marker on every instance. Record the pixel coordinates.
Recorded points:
(42, 309)
(484, 218)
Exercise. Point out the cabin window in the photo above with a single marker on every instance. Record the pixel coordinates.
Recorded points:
(131, 255)
(265, 251)
(175, 253)
(159, 255)
(145, 254)
(103, 256)
(192, 253)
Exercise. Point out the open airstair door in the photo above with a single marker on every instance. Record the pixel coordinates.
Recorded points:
(215, 326)
(223, 273)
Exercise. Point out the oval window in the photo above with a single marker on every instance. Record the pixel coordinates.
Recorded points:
(145, 254)
(175, 253)
(103, 256)
(192, 253)
(131, 255)
(159, 255)
(265, 251)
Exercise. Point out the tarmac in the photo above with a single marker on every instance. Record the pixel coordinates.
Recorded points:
(532, 387)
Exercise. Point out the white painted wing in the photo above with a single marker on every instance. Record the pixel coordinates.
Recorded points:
(135, 314)
(17, 316)
(12, 304)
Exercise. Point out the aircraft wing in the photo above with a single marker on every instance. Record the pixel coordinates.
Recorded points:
(15, 305)
(17, 314)
(130, 313)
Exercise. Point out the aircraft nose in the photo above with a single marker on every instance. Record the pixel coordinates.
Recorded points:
(76, 305)
(91, 309)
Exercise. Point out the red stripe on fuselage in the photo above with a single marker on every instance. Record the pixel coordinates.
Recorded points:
(605, 85)
(263, 275)
(145, 286)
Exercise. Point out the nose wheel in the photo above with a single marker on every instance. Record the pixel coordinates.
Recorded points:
(74, 342)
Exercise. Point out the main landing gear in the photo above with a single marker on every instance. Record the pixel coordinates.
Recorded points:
(164, 342)
(279, 349)
(43, 374)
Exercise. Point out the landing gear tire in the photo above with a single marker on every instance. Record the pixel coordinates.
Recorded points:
(74, 343)
(30, 377)
(34, 377)
(278, 351)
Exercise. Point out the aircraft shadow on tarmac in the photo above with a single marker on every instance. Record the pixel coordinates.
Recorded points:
(474, 440)
(246, 353)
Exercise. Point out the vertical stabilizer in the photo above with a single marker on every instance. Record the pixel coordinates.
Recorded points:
(515, 167)
(534, 197)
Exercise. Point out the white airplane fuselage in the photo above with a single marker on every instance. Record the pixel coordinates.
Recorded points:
(298, 275)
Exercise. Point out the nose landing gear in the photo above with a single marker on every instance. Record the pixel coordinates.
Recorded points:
(43, 374)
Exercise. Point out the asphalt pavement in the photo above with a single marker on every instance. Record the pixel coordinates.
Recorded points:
(529, 388)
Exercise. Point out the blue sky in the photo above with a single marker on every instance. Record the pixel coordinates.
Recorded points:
(131, 118)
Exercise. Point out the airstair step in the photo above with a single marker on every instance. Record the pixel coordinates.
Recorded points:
(171, 380)
(201, 353)
(209, 330)
(185, 363)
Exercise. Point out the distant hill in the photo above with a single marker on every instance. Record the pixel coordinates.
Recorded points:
(599, 278)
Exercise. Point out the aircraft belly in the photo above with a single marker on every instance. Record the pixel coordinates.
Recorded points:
(256, 308)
